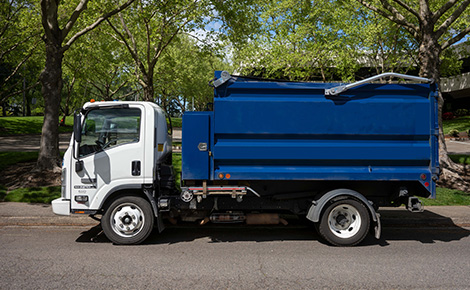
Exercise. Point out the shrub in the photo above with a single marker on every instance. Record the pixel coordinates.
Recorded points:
(461, 112)
(447, 116)
(454, 133)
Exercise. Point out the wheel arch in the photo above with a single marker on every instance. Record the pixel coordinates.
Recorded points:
(315, 211)
(122, 191)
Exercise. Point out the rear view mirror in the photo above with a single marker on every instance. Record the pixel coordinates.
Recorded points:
(77, 128)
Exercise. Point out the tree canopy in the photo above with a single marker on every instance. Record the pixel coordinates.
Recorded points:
(166, 51)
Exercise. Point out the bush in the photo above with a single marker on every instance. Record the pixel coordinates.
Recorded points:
(447, 116)
(461, 112)
(454, 133)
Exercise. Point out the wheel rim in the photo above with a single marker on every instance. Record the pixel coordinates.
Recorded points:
(127, 220)
(344, 221)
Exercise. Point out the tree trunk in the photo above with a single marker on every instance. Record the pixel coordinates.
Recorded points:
(148, 88)
(452, 175)
(51, 80)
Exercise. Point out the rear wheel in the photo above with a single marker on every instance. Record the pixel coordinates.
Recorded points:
(128, 220)
(344, 223)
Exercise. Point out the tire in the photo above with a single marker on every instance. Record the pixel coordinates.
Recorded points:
(128, 220)
(344, 223)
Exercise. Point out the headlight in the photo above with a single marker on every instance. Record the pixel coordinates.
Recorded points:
(63, 181)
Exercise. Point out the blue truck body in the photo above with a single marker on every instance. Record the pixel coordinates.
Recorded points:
(292, 131)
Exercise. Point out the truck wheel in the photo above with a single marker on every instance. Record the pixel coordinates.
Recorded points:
(344, 223)
(128, 220)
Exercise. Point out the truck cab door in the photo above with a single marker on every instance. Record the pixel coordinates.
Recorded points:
(110, 154)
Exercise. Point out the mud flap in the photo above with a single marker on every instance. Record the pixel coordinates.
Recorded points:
(378, 227)
(159, 222)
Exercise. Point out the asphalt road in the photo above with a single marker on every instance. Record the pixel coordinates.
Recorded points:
(232, 258)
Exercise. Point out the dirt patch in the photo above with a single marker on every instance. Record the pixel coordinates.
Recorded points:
(23, 175)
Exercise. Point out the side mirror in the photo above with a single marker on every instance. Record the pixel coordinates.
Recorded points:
(77, 128)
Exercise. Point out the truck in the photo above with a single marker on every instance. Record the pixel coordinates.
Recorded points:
(331, 154)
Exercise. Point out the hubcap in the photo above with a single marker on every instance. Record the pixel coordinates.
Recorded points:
(127, 220)
(344, 221)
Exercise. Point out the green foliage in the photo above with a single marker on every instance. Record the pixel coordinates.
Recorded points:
(459, 124)
(460, 158)
(12, 158)
(324, 40)
(446, 196)
(184, 71)
(450, 63)
(33, 194)
(21, 54)
(461, 112)
(27, 125)
(177, 122)
(454, 133)
(177, 168)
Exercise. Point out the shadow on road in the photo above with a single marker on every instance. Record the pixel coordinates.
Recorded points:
(397, 226)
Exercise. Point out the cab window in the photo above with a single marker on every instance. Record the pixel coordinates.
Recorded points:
(109, 127)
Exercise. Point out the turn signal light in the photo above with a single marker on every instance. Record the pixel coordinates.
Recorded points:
(81, 198)
(423, 176)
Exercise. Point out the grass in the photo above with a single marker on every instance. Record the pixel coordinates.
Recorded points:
(445, 196)
(460, 124)
(28, 125)
(34, 194)
(11, 158)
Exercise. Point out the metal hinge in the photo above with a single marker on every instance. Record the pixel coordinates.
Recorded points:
(339, 89)
(224, 76)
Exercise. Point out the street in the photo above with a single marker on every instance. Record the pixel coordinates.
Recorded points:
(232, 257)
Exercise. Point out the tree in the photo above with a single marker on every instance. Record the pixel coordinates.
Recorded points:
(184, 71)
(315, 40)
(19, 42)
(149, 29)
(103, 68)
(57, 41)
(435, 27)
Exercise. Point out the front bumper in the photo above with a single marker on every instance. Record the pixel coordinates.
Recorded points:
(61, 206)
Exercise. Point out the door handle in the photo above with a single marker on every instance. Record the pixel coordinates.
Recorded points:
(135, 168)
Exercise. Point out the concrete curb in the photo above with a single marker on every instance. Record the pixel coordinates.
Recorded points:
(24, 214)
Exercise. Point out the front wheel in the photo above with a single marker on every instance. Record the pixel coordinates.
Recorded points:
(344, 223)
(128, 220)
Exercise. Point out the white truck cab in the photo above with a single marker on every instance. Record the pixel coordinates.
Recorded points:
(108, 154)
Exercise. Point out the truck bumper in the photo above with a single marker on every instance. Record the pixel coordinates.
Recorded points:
(61, 206)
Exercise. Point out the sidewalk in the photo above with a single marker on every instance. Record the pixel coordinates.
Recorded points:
(24, 214)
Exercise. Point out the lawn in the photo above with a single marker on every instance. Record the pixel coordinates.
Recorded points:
(445, 196)
(460, 124)
(28, 125)
(10, 158)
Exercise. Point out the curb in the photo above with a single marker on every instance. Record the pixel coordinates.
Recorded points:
(23, 214)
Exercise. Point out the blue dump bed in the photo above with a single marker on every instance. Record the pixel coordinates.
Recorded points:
(265, 130)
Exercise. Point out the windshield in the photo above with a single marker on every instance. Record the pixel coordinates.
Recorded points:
(106, 128)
